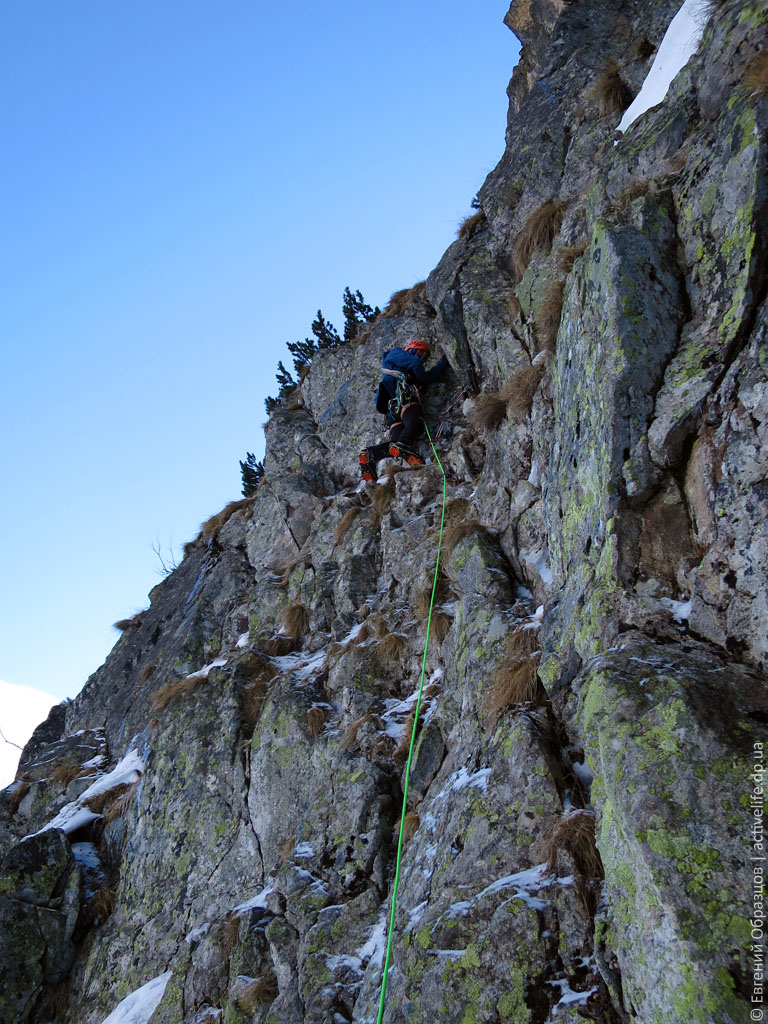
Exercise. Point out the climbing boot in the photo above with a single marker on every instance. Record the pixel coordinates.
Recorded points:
(367, 466)
(399, 451)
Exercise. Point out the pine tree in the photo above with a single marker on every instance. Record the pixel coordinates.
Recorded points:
(356, 313)
(285, 380)
(302, 352)
(270, 404)
(326, 334)
(252, 472)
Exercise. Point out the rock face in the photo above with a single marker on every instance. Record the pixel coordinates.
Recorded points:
(218, 812)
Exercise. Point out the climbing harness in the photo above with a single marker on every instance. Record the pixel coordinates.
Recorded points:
(382, 999)
(406, 392)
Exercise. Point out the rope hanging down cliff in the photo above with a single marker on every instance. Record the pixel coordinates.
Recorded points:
(382, 999)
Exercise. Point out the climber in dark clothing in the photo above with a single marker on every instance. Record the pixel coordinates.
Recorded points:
(399, 399)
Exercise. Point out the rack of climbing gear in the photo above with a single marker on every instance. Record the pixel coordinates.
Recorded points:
(406, 392)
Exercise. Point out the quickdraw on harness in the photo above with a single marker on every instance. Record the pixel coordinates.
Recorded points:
(406, 393)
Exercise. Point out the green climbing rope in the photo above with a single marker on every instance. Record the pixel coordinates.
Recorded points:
(383, 997)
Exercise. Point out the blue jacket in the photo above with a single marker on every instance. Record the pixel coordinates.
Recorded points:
(410, 364)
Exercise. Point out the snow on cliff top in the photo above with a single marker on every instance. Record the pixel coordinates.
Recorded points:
(680, 42)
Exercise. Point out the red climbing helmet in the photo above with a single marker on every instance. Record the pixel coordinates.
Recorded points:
(417, 345)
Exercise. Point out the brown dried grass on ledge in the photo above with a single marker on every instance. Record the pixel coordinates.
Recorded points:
(441, 624)
(520, 389)
(488, 411)
(550, 313)
(316, 718)
(346, 522)
(610, 92)
(133, 623)
(401, 300)
(575, 832)
(567, 256)
(295, 620)
(537, 234)
(756, 74)
(471, 224)
(163, 696)
(392, 646)
(259, 992)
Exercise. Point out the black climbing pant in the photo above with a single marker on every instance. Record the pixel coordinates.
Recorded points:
(406, 431)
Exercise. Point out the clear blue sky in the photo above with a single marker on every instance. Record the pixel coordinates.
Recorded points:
(183, 185)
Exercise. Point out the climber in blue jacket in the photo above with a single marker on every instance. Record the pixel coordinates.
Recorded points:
(399, 399)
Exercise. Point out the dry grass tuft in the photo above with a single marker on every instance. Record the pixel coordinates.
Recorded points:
(229, 936)
(756, 74)
(256, 669)
(317, 716)
(146, 672)
(519, 391)
(381, 499)
(360, 339)
(433, 690)
(392, 646)
(472, 224)
(257, 993)
(101, 800)
(441, 624)
(401, 300)
(635, 190)
(295, 620)
(550, 312)
(380, 627)
(421, 598)
(281, 576)
(363, 611)
(294, 402)
(285, 852)
(60, 998)
(641, 48)
(14, 799)
(455, 533)
(456, 510)
(610, 92)
(512, 687)
(334, 648)
(163, 696)
(411, 823)
(575, 832)
(345, 522)
(119, 807)
(566, 257)
(350, 736)
(361, 636)
(522, 643)
(488, 411)
(102, 904)
(123, 624)
(213, 526)
(279, 645)
(537, 234)
(67, 770)
(400, 753)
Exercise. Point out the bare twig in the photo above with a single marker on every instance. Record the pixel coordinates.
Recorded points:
(169, 563)
(9, 742)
